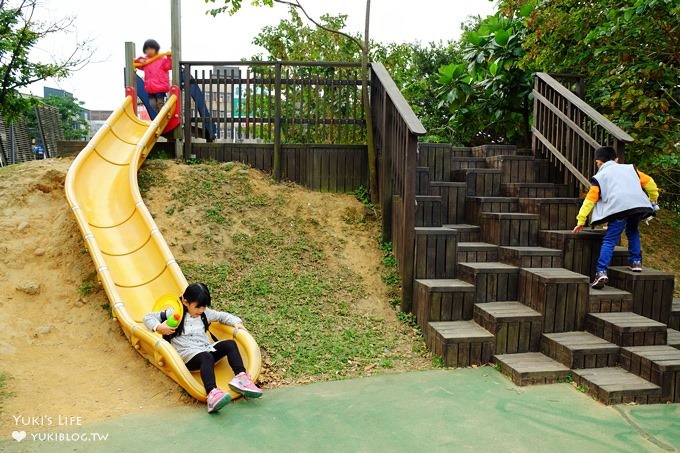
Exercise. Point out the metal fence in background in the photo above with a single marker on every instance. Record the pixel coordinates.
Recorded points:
(273, 102)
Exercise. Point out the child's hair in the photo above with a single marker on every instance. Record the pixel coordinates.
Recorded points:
(198, 293)
(605, 154)
(151, 44)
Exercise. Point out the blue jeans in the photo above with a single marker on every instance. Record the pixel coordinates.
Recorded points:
(611, 238)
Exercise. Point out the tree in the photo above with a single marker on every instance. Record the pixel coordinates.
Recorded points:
(487, 92)
(293, 40)
(629, 52)
(232, 6)
(20, 32)
(414, 69)
(71, 110)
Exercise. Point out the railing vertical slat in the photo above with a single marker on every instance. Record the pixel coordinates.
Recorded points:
(276, 159)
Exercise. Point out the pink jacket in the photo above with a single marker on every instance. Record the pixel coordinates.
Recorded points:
(156, 79)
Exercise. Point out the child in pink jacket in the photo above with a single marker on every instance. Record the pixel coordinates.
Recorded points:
(156, 79)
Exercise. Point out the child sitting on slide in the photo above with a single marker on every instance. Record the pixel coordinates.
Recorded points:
(155, 67)
(191, 342)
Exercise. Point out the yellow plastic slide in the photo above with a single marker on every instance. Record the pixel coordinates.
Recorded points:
(133, 261)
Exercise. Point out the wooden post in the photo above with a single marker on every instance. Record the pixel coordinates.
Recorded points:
(409, 222)
(130, 73)
(176, 49)
(187, 112)
(276, 164)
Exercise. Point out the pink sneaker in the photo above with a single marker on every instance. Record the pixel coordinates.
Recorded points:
(217, 399)
(244, 385)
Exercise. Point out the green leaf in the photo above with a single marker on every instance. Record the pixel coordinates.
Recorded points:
(502, 37)
(526, 10)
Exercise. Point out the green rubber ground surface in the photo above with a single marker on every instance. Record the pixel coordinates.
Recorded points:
(448, 410)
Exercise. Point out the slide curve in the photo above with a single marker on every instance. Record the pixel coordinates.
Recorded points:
(134, 263)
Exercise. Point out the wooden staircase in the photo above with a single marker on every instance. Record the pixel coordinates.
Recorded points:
(500, 277)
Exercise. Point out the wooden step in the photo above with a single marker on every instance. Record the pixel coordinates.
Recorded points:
(531, 368)
(453, 200)
(554, 213)
(522, 256)
(480, 182)
(609, 299)
(422, 180)
(463, 163)
(477, 252)
(626, 329)
(620, 256)
(475, 206)
(435, 253)
(494, 150)
(579, 251)
(520, 169)
(442, 300)
(466, 233)
(517, 328)
(652, 291)
(428, 211)
(437, 157)
(615, 385)
(673, 337)
(674, 321)
(560, 295)
(579, 350)
(460, 343)
(658, 364)
(533, 190)
(461, 151)
(493, 281)
(508, 229)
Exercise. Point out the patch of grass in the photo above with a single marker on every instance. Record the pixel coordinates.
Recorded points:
(437, 361)
(581, 388)
(497, 367)
(568, 379)
(279, 280)
(151, 174)
(4, 393)
(89, 285)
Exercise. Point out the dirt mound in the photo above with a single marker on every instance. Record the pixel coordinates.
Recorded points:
(59, 346)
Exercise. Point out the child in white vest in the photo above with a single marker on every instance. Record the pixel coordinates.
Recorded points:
(617, 197)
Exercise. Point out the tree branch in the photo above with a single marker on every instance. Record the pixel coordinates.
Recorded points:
(296, 4)
(17, 49)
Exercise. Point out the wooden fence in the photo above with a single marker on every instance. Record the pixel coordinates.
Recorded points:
(396, 131)
(15, 144)
(274, 103)
(567, 131)
(327, 168)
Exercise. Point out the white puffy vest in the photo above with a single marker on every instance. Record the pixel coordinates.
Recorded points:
(620, 190)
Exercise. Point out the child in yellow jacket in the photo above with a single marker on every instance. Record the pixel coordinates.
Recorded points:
(617, 197)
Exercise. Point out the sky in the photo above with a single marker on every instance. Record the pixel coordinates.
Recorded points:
(108, 24)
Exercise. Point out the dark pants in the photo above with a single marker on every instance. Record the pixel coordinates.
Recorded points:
(205, 361)
(157, 101)
(614, 230)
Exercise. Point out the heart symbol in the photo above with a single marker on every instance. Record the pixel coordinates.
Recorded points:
(19, 435)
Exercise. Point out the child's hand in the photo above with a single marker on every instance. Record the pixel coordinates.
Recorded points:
(577, 229)
(238, 327)
(164, 329)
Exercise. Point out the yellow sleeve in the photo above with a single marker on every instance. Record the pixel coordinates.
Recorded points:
(588, 204)
(650, 186)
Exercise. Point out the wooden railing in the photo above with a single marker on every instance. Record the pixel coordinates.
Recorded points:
(396, 130)
(567, 131)
(275, 102)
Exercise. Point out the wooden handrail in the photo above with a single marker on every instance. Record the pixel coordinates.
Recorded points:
(412, 122)
(567, 131)
(610, 127)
